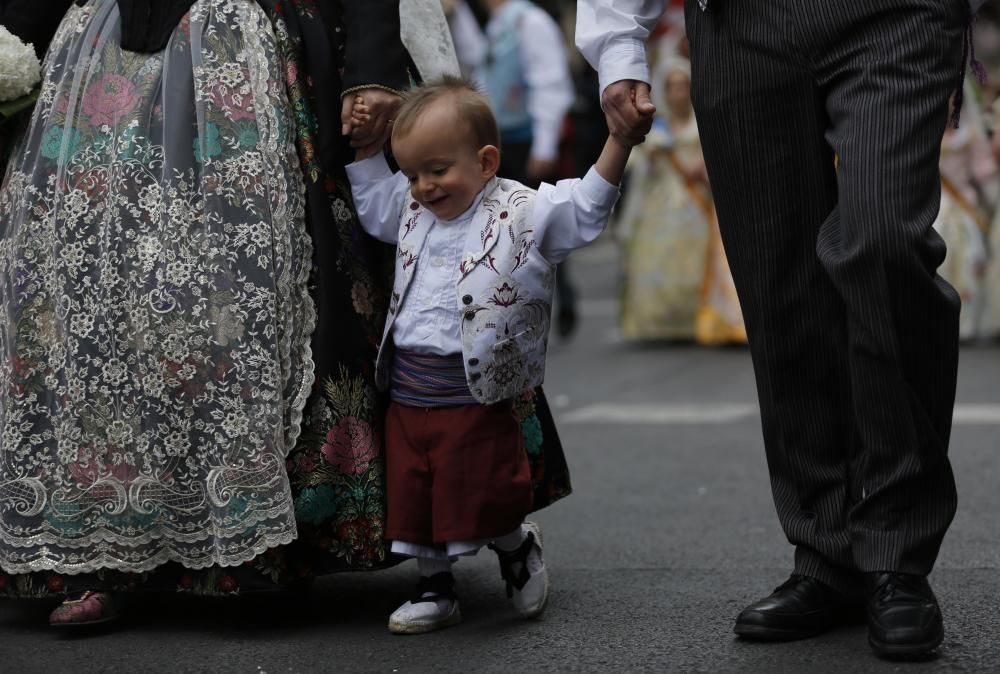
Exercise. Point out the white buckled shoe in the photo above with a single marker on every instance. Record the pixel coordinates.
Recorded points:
(524, 572)
(434, 606)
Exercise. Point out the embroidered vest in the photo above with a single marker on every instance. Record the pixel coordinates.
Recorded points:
(504, 293)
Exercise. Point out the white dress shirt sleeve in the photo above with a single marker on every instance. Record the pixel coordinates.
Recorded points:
(379, 196)
(550, 87)
(571, 214)
(611, 35)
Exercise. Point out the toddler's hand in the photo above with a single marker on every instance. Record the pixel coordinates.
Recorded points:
(360, 118)
(366, 117)
(360, 113)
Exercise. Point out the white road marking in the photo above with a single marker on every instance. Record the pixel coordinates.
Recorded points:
(644, 413)
(977, 415)
(724, 413)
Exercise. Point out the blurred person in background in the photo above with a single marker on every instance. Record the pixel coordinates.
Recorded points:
(677, 283)
(990, 326)
(969, 190)
(519, 59)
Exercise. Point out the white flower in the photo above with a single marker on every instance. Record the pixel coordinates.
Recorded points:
(151, 199)
(19, 67)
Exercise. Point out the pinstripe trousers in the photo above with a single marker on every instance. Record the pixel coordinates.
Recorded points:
(821, 123)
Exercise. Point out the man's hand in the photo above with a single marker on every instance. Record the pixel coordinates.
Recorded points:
(629, 110)
(382, 106)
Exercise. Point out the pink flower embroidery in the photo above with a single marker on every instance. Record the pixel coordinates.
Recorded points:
(292, 72)
(108, 99)
(350, 446)
(235, 107)
(89, 470)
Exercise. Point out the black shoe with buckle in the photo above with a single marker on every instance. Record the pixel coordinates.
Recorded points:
(799, 608)
(904, 620)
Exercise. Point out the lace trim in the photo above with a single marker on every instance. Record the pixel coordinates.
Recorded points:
(164, 556)
(307, 308)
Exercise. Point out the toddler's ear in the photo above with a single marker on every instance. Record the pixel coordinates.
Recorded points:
(489, 160)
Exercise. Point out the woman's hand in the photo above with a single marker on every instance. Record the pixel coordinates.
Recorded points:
(380, 107)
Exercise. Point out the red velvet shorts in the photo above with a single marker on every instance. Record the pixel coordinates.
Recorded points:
(455, 473)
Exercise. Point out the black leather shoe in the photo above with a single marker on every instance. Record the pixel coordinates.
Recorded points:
(801, 607)
(904, 620)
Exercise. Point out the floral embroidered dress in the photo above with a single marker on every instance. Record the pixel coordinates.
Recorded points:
(336, 469)
(154, 266)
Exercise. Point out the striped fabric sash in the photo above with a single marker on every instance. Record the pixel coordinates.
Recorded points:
(426, 380)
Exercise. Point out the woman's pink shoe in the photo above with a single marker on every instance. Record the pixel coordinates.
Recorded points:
(90, 608)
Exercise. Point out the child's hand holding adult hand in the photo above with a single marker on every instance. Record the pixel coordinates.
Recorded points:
(374, 124)
(629, 110)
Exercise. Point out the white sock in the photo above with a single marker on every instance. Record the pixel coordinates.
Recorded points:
(512, 541)
(429, 567)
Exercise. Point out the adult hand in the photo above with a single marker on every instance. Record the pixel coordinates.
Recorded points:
(382, 106)
(629, 110)
(539, 170)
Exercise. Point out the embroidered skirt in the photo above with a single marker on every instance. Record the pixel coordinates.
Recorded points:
(154, 265)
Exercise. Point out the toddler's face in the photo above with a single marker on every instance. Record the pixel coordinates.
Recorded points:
(445, 169)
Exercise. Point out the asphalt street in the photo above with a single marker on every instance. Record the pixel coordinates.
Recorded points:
(670, 532)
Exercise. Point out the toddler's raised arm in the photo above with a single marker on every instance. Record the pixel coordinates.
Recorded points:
(572, 213)
(379, 195)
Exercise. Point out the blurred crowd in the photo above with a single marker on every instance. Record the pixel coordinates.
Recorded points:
(675, 281)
